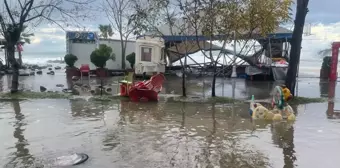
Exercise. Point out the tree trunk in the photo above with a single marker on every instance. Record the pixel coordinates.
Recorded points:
(20, 57)
(301, 12)
(15, 67)
(213, 93)
(184, 90)
(123, 45)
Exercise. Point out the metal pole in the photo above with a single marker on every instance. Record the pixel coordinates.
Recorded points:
(203, 71)
(271, 57)
(223, 74)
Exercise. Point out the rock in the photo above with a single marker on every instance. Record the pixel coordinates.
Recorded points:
(67, 91)
(35, 67)
(50, 69)
(42, 89)
(75, 91)
(75, 78)
(39, 72)
(86, 86)
(60, 85)
(78, 84)
(32, 73)
(50, 73)
(57, 67)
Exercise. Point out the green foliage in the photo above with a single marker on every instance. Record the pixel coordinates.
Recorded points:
(70, 59)
(213, 17)
(306, 100)
(100, 55)
(34, 95)
(327, 61)
(132, 59)
(25, 37)
(105, 31)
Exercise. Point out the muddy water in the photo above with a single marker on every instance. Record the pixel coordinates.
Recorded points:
(165, 134)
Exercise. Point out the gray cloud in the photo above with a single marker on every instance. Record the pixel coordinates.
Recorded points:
(325, 11)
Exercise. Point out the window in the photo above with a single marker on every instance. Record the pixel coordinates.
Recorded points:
(146, 54)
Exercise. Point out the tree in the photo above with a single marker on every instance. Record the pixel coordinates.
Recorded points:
(24, 38)
(105, 31)
(17, 14)
(132, 59)
(100, 55)
(70, 60)
(119, 13)
(159, 18)
(233, 20)
(299, 23)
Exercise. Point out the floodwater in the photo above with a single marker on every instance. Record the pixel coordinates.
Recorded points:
(169, 134)
(165, 134)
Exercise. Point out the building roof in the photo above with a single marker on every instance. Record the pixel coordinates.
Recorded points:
(178, 33)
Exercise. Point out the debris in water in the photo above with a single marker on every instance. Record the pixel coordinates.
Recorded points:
(71, 160)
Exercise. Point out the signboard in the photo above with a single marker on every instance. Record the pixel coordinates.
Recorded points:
(78, 35)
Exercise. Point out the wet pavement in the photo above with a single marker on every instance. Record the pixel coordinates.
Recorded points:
(169, 134)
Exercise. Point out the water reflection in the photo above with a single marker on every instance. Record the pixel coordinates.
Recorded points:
(163, 134)
(22, 156)
(283, 137)
(331, 112)
(324, 88)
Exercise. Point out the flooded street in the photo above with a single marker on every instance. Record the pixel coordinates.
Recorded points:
(165, 134)
(122, 134)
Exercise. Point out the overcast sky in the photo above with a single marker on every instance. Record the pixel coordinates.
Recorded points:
(323, 15)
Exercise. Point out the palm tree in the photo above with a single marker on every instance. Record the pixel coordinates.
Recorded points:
(105, 31)
(24, 38)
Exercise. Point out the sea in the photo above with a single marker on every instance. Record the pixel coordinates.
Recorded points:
(39, 58)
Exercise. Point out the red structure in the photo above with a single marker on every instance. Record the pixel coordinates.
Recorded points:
(84, 69)
(334, 66)
(147, 90)
(331, 95)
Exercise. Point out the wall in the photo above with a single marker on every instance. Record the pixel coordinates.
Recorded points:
(83, 52)
(117, 49)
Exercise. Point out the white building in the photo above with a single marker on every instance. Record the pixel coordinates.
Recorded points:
(150, 55)
(81, 44)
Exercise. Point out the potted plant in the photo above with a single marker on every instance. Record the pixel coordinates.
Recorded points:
(71, 70)
(99, 57)
(326, 67)
(132, 59)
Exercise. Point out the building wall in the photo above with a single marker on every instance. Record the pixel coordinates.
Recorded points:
(117, 49)
(83, 52)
